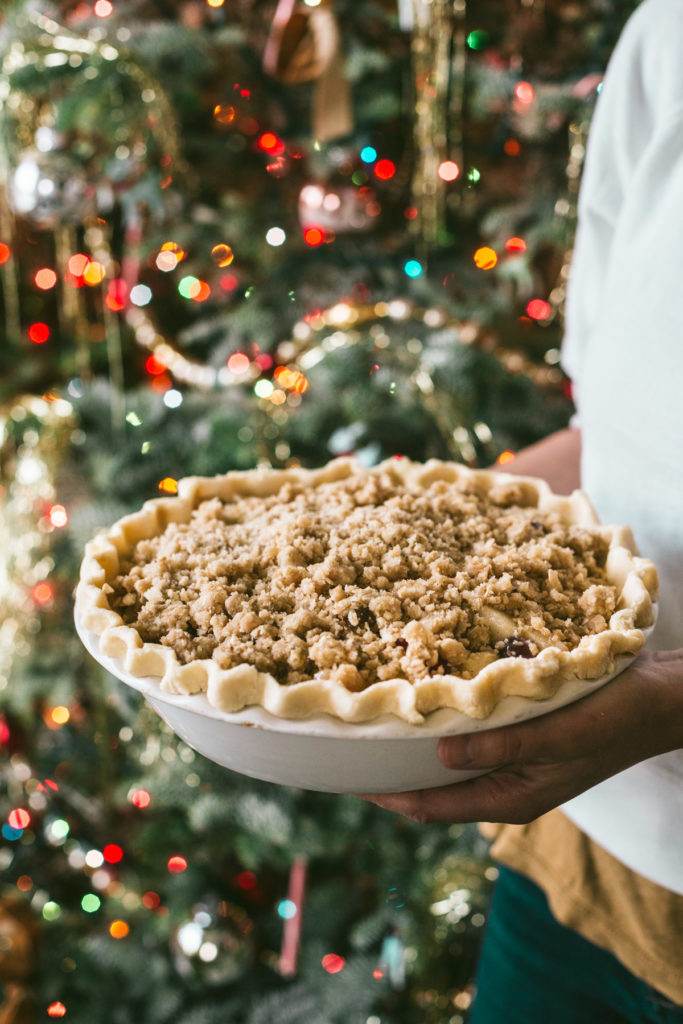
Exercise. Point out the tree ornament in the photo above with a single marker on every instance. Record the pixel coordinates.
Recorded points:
(342, 208)
(304, 45)
(47, 190)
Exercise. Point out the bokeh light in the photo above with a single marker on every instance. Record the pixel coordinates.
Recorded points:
(224, 114)
(58, 516)
(45, 278)
(188, 286)
(19, 818)
(39, 333)
(119, 929)
(140, 798)
(5, 252)
(154, 366)
(314, 236)
(485, 258)
(515, 244)
(169, 485)
(43, 593)
(448, 170)
(176, 864)
(93, 273)
(506, 456)
(385, 169)
(539, 309)
(287, 909)
(140, 295)
(524, 92)
(222, 255)
(368, 154)
(333, 963)
(412, 268)
(275, 236)
(166, 260)
(239, 363)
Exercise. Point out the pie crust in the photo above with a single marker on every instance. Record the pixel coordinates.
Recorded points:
(397, 589)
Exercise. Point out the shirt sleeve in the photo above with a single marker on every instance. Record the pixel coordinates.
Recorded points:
(643, 83)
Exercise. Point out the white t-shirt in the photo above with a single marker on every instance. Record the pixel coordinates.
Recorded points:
(624, 352)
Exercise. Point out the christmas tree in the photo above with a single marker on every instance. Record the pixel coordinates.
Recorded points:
(234, 235)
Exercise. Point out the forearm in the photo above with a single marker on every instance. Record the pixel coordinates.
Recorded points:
(555, 459)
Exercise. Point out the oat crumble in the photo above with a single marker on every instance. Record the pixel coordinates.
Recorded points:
(365, 579)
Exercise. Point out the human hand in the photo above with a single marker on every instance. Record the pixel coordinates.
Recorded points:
(537, 765)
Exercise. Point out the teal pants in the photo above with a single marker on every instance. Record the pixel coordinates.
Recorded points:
(533, 970)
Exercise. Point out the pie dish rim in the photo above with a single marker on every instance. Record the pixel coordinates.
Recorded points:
(535, 678)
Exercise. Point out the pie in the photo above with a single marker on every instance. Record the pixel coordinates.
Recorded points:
(353, 591)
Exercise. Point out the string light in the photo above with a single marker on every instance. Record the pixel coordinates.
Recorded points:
(19, 818)
(42, 593)
(385, 169)
(506, 456)
(5, 252)
(176, 864)
(119, 929)
(189, 286)
(485, 258)
(524, 92)
(239, 363)
(140, 798)
(58, 516)
(314, 236)
(93, 273)
(275, 236)
(333, 963)
(56, 1009)
(515, 245)
(222, 255)
(539, 309)
(224, 114)
(117, 293)
(112, 853)
(368, 154)
(45, 278)
(166, 261)
(448, 170)
(287, 909)
(39, 333)
(140, 295)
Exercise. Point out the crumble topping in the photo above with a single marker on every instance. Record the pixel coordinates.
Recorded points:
(366, 579)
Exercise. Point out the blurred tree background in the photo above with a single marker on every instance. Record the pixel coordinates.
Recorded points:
(235, 234)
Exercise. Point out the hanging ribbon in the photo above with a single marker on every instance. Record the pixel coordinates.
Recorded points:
(438, 59)
(291, 938)
(304, 45)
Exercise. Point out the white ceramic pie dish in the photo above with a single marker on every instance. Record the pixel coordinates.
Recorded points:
(325, 754)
